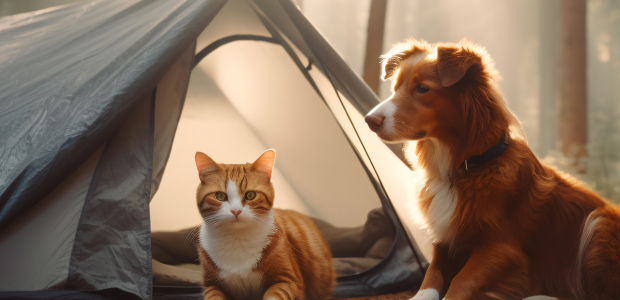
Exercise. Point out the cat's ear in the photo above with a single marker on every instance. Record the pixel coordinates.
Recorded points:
(205, 164)
(264, 164)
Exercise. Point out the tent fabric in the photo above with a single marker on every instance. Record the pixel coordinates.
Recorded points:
(290, 20)
(113, 234)
(170, 98)
(90, 98)
(115, 217)
(70, 75)
(77, 295)
(49, 226)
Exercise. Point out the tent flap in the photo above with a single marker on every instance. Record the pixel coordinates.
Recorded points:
(111, 247)
(115, 223)
(70, 75)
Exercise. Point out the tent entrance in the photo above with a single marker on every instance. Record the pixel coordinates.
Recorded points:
(253, 89)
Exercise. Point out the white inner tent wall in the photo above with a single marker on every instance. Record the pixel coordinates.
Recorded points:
(244, 98)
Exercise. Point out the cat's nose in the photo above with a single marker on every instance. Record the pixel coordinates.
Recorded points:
(236, 213)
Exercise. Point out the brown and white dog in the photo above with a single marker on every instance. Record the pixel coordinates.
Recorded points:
(508, 227)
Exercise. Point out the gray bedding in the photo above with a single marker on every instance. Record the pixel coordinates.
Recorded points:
(354, 250)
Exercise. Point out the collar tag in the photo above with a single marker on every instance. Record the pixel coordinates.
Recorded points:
(494, 152)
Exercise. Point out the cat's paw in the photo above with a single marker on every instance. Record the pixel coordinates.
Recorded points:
(426, 294)
(214, 297)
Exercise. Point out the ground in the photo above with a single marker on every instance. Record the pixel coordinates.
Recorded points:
(398, 296)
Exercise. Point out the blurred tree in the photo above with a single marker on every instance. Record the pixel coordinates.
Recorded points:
(374, 44)
(374, 49)
(548, 68)
(603, 53)
(572, 117)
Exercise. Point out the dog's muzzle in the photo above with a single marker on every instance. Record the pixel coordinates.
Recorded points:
(374, 122)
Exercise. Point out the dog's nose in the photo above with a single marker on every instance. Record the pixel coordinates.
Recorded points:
(236, 213)
(374, 122)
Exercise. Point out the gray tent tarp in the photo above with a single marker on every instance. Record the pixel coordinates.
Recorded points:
(90, 97)
(71, 78)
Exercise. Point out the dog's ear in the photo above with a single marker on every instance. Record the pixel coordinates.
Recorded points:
(391, 63)
(391, 60)
(453, 62)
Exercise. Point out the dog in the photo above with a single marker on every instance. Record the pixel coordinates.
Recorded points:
(503, 224)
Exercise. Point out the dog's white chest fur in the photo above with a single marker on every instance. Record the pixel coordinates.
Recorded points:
(434, 182)
(236, 253)
(441, 209)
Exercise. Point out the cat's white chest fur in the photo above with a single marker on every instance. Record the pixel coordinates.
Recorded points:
(236, 253)
(247, 286)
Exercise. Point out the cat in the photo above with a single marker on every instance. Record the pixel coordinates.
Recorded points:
(248, 249)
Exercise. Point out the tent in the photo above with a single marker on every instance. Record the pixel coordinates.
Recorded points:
(93, 110)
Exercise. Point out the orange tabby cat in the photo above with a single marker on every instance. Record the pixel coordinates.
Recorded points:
(247, 249)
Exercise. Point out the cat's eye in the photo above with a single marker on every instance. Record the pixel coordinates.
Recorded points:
(421, 89)
(221, 196)
(250, 195)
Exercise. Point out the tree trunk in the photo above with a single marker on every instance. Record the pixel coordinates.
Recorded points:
(374, 49)
(374, 44)
(573, 129)
(549, 68)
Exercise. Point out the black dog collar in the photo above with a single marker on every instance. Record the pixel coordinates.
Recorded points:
(494, 152)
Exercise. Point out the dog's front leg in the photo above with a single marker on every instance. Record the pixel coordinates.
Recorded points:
(439, 273)
(497, 271)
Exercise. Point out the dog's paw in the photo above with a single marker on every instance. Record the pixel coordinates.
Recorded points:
(426, 294)
(540, 298)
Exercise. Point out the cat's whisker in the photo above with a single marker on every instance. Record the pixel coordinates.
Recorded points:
(256, 219)
(213, 221)
(191, 235)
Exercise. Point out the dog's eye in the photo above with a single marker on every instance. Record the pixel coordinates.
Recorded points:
(221, 196)
(422, 89)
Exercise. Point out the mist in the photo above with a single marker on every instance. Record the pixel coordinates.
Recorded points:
(524, 39)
